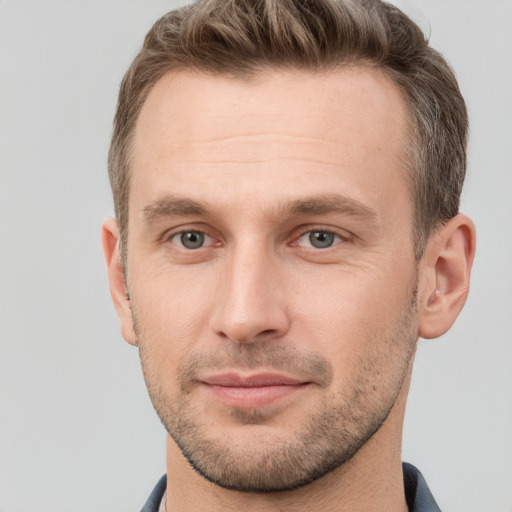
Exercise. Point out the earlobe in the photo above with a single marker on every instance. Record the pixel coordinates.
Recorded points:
(116, 278)
(446, 269)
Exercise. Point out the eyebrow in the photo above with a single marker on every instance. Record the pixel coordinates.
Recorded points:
(332, 203)
(170, 206)
(173, 206)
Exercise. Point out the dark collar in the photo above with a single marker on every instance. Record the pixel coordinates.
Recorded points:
(156, 496)
(417, 493)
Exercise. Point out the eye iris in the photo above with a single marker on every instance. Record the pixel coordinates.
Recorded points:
(192, 239)
(321, 239)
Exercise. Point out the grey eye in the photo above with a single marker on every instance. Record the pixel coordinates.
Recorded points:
(191, 239)
(321, 239)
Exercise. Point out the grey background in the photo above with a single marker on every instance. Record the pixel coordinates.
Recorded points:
(77, 431)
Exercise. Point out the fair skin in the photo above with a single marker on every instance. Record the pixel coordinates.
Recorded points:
(271, 275)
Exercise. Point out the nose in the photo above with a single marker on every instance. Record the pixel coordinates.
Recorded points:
(251, 303)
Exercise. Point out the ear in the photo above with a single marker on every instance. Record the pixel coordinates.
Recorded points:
(446, 271)
(118, 287)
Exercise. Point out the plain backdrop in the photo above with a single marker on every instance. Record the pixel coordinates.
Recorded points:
(77, 431)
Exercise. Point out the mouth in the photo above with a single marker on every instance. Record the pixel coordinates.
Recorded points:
(252, 391)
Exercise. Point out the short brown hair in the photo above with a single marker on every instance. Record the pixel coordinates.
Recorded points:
(239, 38)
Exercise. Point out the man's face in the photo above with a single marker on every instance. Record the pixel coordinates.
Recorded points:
(271, 269)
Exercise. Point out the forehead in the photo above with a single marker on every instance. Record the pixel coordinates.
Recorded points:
(276, 133)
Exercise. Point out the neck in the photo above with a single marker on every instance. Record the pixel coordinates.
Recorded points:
(372, 481)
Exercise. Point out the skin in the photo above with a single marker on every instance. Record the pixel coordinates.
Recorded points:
(257, 167)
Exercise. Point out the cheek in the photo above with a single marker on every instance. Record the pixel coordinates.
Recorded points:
(352, 315)
(172, 314)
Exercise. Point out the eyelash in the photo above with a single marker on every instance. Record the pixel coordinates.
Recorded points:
(330, 232)
(173, 235)
(341, 238)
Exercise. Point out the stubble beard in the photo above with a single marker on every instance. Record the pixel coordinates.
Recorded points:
(330, 437)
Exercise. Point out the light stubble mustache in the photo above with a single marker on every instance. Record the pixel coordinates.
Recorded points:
(268, 356)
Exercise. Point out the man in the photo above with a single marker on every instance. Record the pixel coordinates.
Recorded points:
(286, 177)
